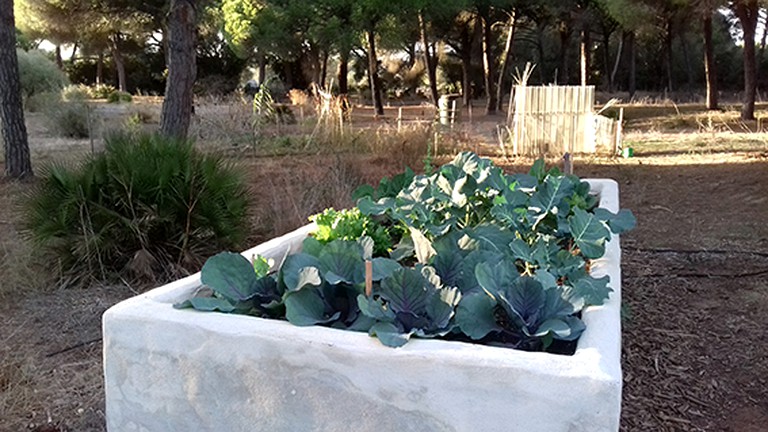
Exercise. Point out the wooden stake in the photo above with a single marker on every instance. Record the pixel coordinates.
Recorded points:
(619, 131)
(368, 278)
(568, 164)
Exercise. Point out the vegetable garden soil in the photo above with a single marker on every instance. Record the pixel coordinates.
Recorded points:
(695, 286)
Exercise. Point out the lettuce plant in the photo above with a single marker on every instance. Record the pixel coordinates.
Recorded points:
(351, 224)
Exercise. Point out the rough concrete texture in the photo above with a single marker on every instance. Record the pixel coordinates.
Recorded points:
(183, 370)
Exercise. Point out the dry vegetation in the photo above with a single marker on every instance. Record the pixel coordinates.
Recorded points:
(694, 269)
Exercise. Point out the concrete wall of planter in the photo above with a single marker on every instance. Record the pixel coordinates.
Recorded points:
(182, 370)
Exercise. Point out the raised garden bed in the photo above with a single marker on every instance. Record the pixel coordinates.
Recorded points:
(465, 254)
(171, 369)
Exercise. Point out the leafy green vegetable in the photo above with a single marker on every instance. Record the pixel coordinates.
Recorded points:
(261, 265)
(411, 301)
(351, 225)
(521, 307)
(466, 252)
(588, 233)
(237, 287)
(388, 188)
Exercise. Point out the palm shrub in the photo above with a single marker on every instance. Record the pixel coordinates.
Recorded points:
(149, 206)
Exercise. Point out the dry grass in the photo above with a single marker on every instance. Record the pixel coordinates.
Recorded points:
(224, 122)
(292, 189)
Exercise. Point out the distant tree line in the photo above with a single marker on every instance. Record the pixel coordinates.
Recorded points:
(471, 46)
(391, 48)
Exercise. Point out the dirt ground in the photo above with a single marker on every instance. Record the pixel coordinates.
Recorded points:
(695, 338)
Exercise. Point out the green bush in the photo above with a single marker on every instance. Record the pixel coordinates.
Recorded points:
(76, 92)
(38, 74)
(119, 97)
(149, 206)
(102, 91)
(67, 118)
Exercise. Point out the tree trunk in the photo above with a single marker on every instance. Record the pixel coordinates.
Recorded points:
(324, 69)
(488, 66)
(709, 64)
(100, 69)
(343, 72)
(12, 127)
(430, 62)
(747, 12)
(182, 69)
(312, 66)
(73, 57)
(540, 28)
(373, 73)
(466, 64)
(511, 28)
(668, 57)
(59, 60)
(288, 73)
(117, 57)
(584, 55)
(608, 80)
(262, 70)
(616, 62)
(563, 76)
(688, 63)
(632, 79)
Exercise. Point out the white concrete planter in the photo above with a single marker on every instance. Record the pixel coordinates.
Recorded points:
(182, 370)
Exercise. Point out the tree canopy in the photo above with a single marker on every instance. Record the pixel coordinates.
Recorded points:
(400, 48)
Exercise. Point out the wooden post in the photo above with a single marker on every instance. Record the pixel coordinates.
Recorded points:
(368, 278)
(568, 164)
(399, 119)
(619, 131)
(469, 112)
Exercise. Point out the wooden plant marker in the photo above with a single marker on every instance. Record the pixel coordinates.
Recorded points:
(568, 164)
(368, 278)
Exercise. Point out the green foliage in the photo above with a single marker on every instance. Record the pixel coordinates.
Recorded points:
(119, 97)
(67, 118)
(410, 301)
(540, 230)
(527, 313)
(238, 286)
(148, 204)
(24, 42)
(102, 91)
(388, 188)
(79, 92)
(38, 73)
(351, 225)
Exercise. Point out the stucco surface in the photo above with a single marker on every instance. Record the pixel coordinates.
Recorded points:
(183, 370)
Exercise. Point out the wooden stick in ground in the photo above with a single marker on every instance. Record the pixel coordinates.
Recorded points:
(368, 278)
(619, 131)
(568, 164)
